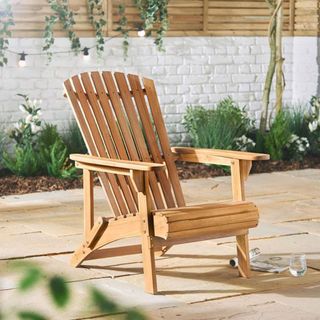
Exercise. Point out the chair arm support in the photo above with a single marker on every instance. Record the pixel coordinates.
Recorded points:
(239, 162)
(212, 155)
(115, 166)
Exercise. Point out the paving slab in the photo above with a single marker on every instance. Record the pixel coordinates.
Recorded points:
(286, 304)
(195, 280)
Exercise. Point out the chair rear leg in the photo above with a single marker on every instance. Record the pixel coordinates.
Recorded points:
(149, 267)
(243, 255)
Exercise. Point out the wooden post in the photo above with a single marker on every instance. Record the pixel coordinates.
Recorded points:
(109, 17)
(292, 8)
(279, 58)
(141, 180)
(88, 205)
(205, 15)
(239, 172)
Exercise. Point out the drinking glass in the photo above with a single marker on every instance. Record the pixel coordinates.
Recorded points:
(298, 265)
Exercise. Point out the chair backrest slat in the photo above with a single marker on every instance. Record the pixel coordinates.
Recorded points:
(126, 96)
(163, 139)
(91, 146)
(120, 119)
(105, 135)
(99, 142)
(150, 136)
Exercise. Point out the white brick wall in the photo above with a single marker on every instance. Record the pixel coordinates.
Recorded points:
(193, 70)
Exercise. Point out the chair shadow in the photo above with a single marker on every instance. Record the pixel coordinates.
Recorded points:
(231, 276)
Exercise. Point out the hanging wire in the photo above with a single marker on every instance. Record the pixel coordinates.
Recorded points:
(56, 52)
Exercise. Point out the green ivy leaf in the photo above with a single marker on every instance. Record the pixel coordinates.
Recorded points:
(59, 291)
(31, 278)
(30, 315)
(102, 302)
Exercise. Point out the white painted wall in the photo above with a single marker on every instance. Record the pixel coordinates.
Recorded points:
(193, 70)
(305, 68)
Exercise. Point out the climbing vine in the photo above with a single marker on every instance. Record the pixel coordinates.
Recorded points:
(95, 15)
(123, 29)
(6, 21)
(154, 14)
(66, 17)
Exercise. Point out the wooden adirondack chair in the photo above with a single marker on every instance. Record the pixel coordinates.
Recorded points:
(121, 122)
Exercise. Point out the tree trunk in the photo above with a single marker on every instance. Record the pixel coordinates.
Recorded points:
(275, 62)
(271, 68)
(279, 57)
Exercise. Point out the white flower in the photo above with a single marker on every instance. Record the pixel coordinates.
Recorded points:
(39, 113)
(21, 107)
(313, 126)
(35, 128)
(293, 138)
(29, 118)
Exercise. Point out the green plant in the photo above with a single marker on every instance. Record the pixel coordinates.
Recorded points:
(48, 135)
(65, 16)
(58, 165)
(2, 142)
(73, 139)
(218, 128)
(278, 137)
(54, 154)
(25, 162)
(313, 119)
(27, 128)
(154, 14)
(95, 15)
(123, 29)
(6, 21)
(60, 295)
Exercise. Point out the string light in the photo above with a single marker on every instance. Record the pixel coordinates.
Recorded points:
(141, 32)
(86, 54)
(22, 60)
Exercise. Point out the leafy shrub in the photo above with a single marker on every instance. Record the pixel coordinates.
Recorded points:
(54, 153)
(48, 135)
(224, 127)
(314, 125)
(73, 139)
(279, 136)
(25, 161)
(58, 165)
(38, 149)
(287, 138)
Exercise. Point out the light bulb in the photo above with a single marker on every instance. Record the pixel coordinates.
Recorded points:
(141, 32)
(86, 54)
(22, 60)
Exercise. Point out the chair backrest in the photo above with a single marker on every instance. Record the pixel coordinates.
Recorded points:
(120, 118)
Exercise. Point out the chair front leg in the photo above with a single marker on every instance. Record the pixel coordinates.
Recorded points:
(240, 170)
(88, 205)
(141, 180)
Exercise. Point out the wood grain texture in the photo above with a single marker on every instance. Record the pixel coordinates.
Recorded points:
(186, 17)
(121, 121)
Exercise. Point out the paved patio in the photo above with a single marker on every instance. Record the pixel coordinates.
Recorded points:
(195, 280)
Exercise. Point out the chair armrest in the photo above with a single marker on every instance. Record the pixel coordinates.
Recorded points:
(215, 156)
(105, 164)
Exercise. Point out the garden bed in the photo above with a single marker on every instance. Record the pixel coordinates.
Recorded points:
(10, 184)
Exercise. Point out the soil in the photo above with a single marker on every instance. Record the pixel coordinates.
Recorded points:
(10, 184)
